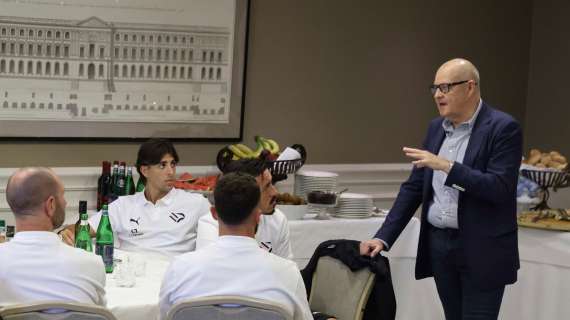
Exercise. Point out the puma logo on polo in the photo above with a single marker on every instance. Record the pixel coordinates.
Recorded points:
(177, 216)
(135, 221)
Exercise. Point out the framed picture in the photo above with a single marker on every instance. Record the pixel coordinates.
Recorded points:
(122, 70)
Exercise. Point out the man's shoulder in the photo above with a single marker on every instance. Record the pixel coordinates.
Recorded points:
(499, 121)
(273, 223)
(207, 218)
(190, 258)
(281, 264)
(499, 116)
(80, 255)
(278, 217)
(127, 201)
(182, 195)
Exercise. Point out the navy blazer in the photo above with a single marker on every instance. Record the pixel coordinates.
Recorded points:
(486, 213)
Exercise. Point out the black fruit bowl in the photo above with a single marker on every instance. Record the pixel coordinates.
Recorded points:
(279, 169)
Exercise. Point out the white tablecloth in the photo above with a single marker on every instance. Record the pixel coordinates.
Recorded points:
(141, 301)
(541, 292)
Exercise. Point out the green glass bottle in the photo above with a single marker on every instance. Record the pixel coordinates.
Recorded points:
(2, 231)
(82, 234)
(82, 209)
(129, 183)
(104, 240)
(140, 184)
(83, 238)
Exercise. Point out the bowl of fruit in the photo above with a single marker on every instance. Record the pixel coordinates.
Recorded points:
(266, 149)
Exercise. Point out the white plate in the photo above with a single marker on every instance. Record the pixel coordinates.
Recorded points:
(355, 196)
(355, 210)
(322, 174)
(352, 216)
(355, 203)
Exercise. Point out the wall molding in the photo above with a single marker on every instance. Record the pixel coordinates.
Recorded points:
(382, 181)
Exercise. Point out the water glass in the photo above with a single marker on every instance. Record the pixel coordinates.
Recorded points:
(124, 272)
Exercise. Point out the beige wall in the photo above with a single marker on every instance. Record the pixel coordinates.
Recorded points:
(348, 79)
(548, 111)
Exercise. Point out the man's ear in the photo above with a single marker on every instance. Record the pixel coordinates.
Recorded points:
(214, 212)
(144, 170)
(49, 206)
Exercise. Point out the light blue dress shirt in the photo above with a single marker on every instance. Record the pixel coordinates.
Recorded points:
(442, 212)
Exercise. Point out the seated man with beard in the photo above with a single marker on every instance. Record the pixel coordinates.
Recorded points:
(36, 266)
(273, 230)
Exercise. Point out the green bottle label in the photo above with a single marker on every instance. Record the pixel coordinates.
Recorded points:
(106, 252)
(83, 236)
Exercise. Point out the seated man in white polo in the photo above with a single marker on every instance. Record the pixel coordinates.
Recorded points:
(273, 231)
(162, 219)
(234, 264)
(36, 265)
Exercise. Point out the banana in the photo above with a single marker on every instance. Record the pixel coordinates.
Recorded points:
(261, 141)
(258, 150)
(268, 144)
(274, 146)
(245, 149)
(238, 152)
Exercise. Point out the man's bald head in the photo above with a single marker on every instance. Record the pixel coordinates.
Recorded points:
(457, 94)
(461, 69)
(29, 188)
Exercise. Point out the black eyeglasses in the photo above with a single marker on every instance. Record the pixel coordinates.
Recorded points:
(445, 87)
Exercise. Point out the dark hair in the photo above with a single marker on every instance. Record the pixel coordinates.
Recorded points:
(254, 167)
(236, 196)
(152, 151)
(26, 194)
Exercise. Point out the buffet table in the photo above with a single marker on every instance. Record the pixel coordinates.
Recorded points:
(540, 293)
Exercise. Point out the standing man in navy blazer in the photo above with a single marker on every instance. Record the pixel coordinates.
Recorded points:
(465, 176)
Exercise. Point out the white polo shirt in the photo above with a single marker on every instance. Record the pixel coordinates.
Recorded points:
(37, 265)
(235, 265)
(167, 227)
(272, 233)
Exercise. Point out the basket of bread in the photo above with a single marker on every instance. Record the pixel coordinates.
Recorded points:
(549, 170)
(546, 160)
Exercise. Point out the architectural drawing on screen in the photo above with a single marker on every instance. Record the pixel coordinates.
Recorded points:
(94, 69)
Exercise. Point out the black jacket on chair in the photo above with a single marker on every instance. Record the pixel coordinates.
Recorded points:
(381, 304)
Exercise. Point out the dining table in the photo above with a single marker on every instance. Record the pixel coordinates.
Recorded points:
(540, 292)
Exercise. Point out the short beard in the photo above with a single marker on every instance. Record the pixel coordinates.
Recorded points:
(58, 217)
(268, 213)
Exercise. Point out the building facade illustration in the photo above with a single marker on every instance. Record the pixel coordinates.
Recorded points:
(96, 70)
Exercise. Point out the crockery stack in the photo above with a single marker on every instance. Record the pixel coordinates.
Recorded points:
(307, 181)
(354, 205)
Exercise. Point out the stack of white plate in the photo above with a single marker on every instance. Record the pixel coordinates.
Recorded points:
(354, 205)
(307, 181)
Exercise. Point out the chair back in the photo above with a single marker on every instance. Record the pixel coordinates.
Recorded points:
(227, 307)
(338, 291)
(52, 310)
